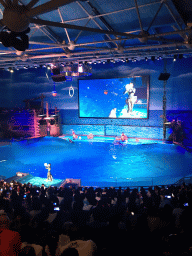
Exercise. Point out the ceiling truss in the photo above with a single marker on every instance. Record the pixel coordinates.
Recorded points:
(116, 45)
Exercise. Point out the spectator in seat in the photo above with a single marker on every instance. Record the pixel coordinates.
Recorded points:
(27, 251)
(70, 252)
(10, 240)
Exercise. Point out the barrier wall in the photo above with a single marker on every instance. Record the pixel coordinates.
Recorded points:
(115, 130)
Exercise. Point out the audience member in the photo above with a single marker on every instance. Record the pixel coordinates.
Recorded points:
(10, 240)
(110, 216)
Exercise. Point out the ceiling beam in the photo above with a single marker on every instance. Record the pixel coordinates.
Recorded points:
(109, 28)
(31, 4)
(63, 25)
(114, 12)
(48, 7)
(156, 37)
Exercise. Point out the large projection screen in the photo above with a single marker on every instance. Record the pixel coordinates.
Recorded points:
(114, 98)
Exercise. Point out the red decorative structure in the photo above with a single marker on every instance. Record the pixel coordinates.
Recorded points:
(30, 122)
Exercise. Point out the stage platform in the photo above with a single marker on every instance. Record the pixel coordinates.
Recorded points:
(35, 181)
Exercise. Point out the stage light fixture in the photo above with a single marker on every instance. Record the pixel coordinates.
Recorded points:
(153, 58)
(146, 59)
(127, 60)
(80, 68)
(175, 57)
(54, 93)
(180, 56)
(164, 76)
(10, 69)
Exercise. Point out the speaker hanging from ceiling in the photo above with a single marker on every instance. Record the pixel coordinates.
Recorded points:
(164, 76)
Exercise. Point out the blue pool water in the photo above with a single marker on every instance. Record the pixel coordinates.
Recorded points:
(98, 162)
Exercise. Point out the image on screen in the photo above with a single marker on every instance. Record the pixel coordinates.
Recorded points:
(114, 98)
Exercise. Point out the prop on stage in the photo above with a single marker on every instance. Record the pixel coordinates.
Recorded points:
(21, 174)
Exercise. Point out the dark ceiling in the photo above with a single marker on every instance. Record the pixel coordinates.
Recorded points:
(96, 30)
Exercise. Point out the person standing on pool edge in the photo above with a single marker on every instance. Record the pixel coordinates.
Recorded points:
(49, 176)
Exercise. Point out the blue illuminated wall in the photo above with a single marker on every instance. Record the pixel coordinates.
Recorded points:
(26, 84)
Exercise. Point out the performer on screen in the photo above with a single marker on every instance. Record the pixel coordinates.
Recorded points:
(131, 98)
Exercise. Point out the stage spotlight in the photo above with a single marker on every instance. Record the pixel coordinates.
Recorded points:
(175, 57)
(80, 68)
(10, 70)
(127, 60)
(146, 59)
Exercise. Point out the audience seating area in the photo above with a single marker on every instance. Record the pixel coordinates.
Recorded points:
(95, 221)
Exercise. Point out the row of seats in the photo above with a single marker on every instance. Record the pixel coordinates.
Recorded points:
(87, 221)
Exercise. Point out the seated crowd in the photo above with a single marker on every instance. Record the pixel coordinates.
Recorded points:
(94, 221)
